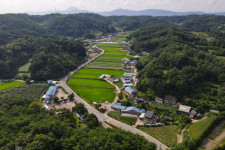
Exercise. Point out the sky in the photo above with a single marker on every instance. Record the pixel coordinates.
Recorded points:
(21, 6)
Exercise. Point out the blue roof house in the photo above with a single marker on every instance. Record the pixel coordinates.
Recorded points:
(131, 91)
(118, 107)
(133, 110)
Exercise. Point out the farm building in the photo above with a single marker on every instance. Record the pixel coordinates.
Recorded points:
(116, 80)
(131, 91)
(126, 74)
(171, 100)
(133, 63)
(159, 100)
(185, 110)
(118, 107)
(49, 81)
(49, 94)
(214, 111)
(48, 107)
(128, 85)
(133, 110)
(139, 100)
(104, 76)
(126, 80)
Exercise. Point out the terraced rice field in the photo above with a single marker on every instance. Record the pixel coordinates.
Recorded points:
(86, 84)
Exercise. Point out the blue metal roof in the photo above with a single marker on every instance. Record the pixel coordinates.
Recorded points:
(133, 108)
(51, 91)
(129, 89)
(119, 106)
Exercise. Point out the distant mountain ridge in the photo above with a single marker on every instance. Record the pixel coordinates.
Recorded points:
(127, 12)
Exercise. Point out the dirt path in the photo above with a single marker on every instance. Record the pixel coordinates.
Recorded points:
(117, 91)
(209, 143)
(180, 137)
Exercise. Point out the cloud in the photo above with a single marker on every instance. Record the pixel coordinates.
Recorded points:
(108, 5)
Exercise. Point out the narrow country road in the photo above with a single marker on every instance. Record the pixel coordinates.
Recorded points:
(103, 117)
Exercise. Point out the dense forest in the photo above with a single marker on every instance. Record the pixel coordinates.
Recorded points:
(182, 62)
(24, 37)
(24, 123)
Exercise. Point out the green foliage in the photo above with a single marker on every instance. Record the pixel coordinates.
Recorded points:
(127, 120)
(70, 96)
(80, 108)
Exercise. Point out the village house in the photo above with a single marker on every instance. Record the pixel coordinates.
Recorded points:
(149, 117)
(131, 91)
(159, 100)
(126, 80)
(118, 107)
(132, 63)
(184, 110)
(128, 85)
(193, 113)
(126, 74)
(139, 100)
(133, 110)
(213, 111)
(127, 68)
(50, 94)
(171, 100)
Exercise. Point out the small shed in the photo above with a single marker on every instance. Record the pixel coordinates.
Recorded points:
(131, 91)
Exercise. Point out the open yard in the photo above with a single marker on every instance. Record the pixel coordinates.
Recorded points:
(94, 94)
(89, 83)
(166, 134)
(102, 71)
(200, 128)
(10, 84)
(127, 120)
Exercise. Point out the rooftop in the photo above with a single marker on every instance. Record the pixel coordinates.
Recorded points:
(171, 98)
(134, 109)
(149, 114)
(158, 99)
(129, 89)
(184, 108)
(119, 106)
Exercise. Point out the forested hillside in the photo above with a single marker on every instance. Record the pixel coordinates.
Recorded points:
(24, 37)
(182, 64)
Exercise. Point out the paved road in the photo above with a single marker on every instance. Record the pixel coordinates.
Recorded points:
(103, 117)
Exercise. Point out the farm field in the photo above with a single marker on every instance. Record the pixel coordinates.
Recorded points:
(127, 120)
(10, 84)
(166, 134)
(120, 38)
(88, 76)
(89, 83)
(94, 94)
(86, 82)
(198, 129)
(110, 45)
(102, 71)
(105, 64)
(115, 56)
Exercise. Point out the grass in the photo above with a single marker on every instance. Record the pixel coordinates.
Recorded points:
(88, 76)
(166, 134)
(199, 129)
(95, 95)
(25, 68)
(127, 120)
(90, 83)
(10, 84)
(102, 71)
(114, 60)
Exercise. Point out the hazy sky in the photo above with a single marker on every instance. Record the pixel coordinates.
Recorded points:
(15, 6)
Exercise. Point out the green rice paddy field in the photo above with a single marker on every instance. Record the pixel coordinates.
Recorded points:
(10, 84)
(94, 94)
(90, 83)
(84, 82)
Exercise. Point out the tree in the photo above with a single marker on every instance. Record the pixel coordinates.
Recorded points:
(55, 99)
(70, 97)
(92, 121)
(80, 108)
